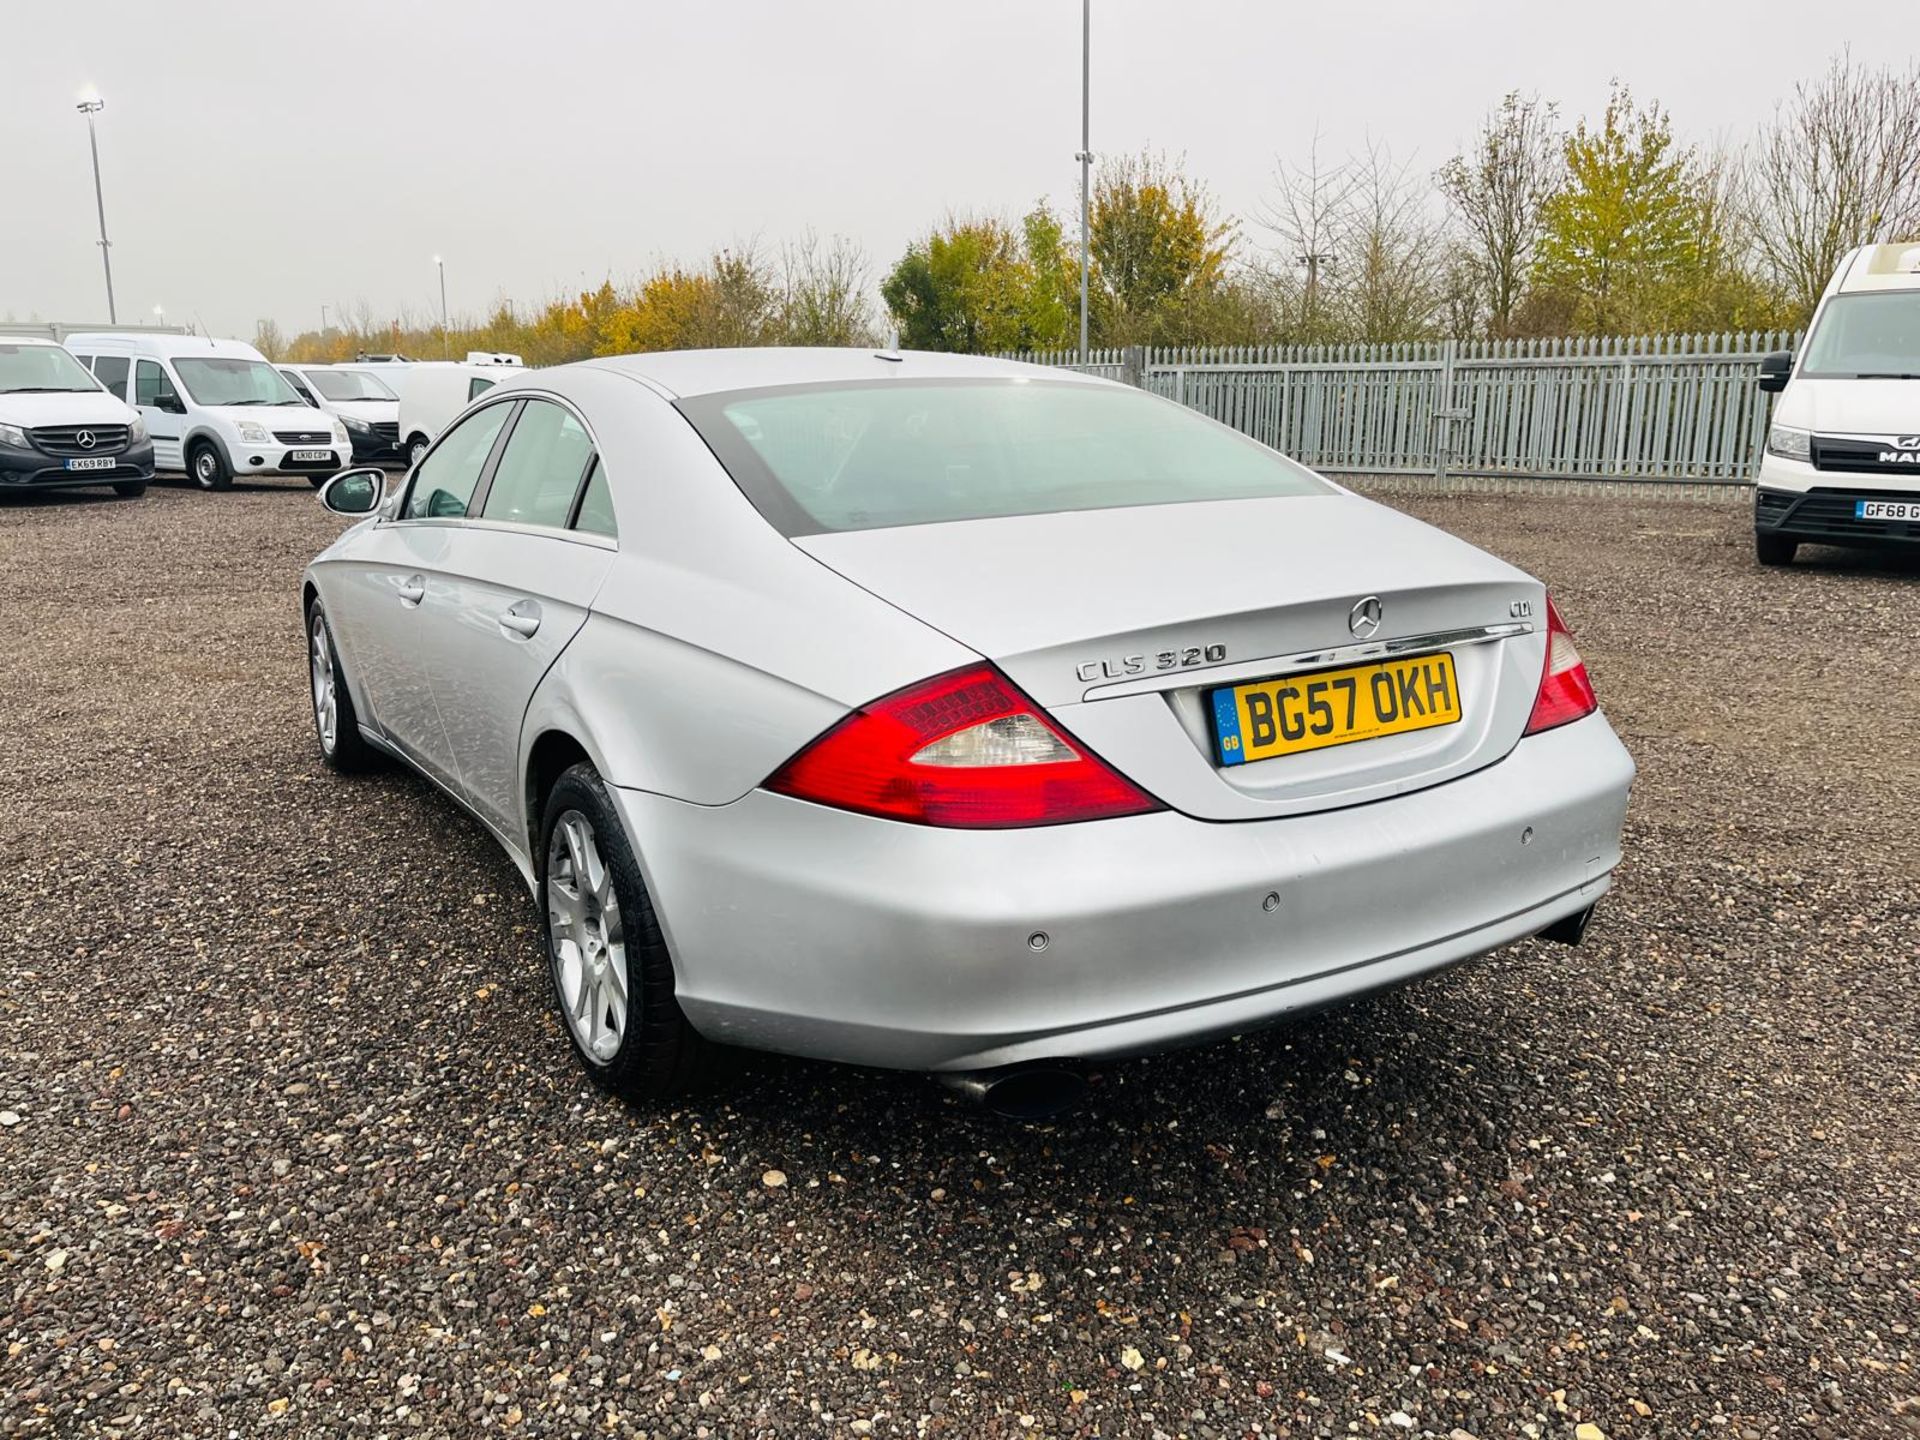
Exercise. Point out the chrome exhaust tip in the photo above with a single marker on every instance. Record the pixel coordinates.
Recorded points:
(1038, 1091)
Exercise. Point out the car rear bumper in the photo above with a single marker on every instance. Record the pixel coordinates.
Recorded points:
(813, 931)
(1829, 516)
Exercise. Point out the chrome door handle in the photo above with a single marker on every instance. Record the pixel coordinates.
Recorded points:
(412, 590)
(522, 625)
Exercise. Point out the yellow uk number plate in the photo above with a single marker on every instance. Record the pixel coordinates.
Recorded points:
(1333, 707)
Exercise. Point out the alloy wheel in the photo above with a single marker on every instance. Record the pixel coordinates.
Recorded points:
(326, 700)
(589, 946)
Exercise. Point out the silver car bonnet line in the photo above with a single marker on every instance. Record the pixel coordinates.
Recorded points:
(1210, 676)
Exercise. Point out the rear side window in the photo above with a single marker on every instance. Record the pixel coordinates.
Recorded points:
(151, 384)
(476, 387)
(904, 452)
(540, 469)
(111, 371)
(443, 482)
(596, 505)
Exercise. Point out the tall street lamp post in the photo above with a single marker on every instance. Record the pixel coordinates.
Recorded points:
(1085, 157)
(91, 105)
(446, 340)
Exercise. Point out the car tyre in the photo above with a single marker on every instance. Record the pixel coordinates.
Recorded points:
(1773, 549)
(130, 489)
(208, 466)
(335, 724)
(318, 480)
(612, 978)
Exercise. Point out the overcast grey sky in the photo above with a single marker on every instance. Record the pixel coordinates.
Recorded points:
(264, 159)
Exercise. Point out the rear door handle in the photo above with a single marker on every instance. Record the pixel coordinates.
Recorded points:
(412, 590)
(519, 622)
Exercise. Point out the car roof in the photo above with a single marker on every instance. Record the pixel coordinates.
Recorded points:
(704, 372)
(168, 345)
(1881, 267)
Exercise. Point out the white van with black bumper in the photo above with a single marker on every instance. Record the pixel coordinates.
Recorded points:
(215, 408)
(1842, 461)
(59, 427)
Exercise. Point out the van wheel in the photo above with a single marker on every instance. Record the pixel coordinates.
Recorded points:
(416, 447)
(1773, 549)
(208, 467)
(318, 480)
(131, 489)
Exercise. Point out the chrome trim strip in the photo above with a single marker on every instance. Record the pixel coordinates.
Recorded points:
(1210, 676)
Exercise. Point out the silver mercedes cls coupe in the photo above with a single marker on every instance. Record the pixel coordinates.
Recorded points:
(952, 714)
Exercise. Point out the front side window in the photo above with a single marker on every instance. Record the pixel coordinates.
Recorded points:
(868, 456)
(596, 505)
(1873, 335)
(152, 385)
(539, 471)
(299, 389)
(218, 380)
(38, 369)
(443, 483)
(111, 371)
(350, 385)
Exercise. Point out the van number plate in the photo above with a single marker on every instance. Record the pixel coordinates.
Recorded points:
(302, 456)
(1887, 510)
(93, 462)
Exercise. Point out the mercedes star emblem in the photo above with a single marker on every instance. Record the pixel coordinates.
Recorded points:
(1364, 618)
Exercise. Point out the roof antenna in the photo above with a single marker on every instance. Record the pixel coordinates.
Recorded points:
(892, 350)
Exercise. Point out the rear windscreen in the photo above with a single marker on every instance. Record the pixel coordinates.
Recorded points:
(916, 452)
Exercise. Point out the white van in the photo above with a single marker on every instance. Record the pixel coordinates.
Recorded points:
(60, 426)
(363, 400)
(217, 409)
(431, 395)
(1842, 461)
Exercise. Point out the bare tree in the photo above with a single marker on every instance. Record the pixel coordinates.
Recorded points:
(826, 296)
(1496, 191)
(1838, 166)
(1306, 216)
(268, 340)
(1392, 279)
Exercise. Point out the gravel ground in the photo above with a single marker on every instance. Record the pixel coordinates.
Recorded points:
(289, 1143)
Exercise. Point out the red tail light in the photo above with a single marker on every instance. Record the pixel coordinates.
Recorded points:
(1565, 692)
(965, 749)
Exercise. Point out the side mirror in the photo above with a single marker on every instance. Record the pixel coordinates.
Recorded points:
(171, 404)
(355, 492)
(1775, 370)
